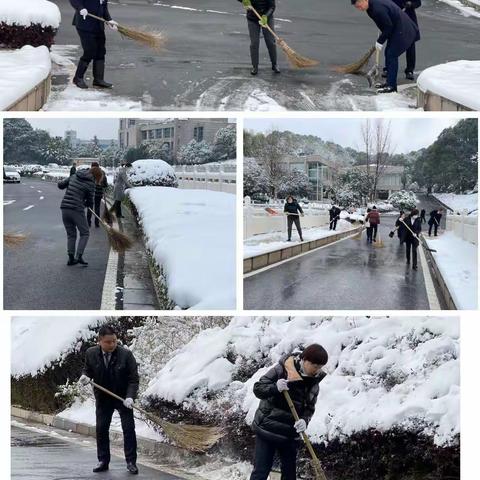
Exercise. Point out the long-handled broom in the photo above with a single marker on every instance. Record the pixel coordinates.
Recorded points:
(295, 59)
(197, 438)
(293, 376)
(418, 238)
(107, 213)
(118, 240)
(355, 67)
(13, 239)
(154, 40)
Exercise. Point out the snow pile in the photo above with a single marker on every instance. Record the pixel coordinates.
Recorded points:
(37, 342)
(403, 200)
(457, 262)
(458, 202)
(383, 372)
(21, 71)
(191, 234)
(152, 172)
(458, 81)
(466, 10)
(27, 12)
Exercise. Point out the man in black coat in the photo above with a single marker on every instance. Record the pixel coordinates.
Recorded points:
(410, 236)
(397, 31)
(265, 8)
(434, 221)
(275, 428)
(92, 38)
(115, 368)
(293, 211)
(73, 168)
(334, 214)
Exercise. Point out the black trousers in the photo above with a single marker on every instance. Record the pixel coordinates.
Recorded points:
(264, 455)
(93, 45)
(254, 32)
(433, 225)
(411, 250)
(411, 58)
(369, 234)
(291, 219)
(333, 223)
(117, 208)
(97, 205)
(104, 412)
(374, 232)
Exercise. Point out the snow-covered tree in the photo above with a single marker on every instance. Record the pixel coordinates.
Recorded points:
(158, 149)
(112, 156)
(352, 188)
(255, 180)
(403, 200)
(57, 150)
(195, 153)
(225, 143)
(295, 183)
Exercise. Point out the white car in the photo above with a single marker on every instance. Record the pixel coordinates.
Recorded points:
(10, 175)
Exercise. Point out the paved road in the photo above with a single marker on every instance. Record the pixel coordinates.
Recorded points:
(39, 456)
(206, 65)
(348, 275)
(36, 276)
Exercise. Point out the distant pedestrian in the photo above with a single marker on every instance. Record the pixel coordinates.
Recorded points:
(422, 216)
(334, 214)
(434, 221)
(120, 185)
(293, 211)
(73, 168)
(114, 368)
(276, 431)
(101, 184)
(411, 232)
(400, 226)
(265, 8)
(374, 218)
(368, 227)
(80, 189)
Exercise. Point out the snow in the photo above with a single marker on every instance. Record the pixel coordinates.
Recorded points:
(259, 101)
(37, 342)
(457, 262)
(26, 12)
(20, 71)
(458, 81)
(459, 202)
(191, 234)
(383, 372)
(151, 171)
(464, 9)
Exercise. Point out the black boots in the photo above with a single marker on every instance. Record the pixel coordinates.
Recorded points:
(71, 260)
(78, 78)
(275, 68)
(98, 74)
(101, 467)
(132, 468)
(81, 261)
(254, 71)
(409, 75)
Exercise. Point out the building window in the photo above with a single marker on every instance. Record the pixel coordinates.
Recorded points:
(168, 132)
(144, 135)
(122, 124)
(128, 138)
(151, 134)
(131, 122)
(158, 133)
(198, 134)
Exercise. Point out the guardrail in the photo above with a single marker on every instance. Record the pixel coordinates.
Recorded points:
(218, 178)
(463, 226)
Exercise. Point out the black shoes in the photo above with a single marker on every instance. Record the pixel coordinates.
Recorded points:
(275, 69)
(101, 467)
(78, 78)
(254, 71)
(132, 468)
(80, 83)
(81, 261)
(409, 76)
(71, 260)
(99, 73)
(386, 89)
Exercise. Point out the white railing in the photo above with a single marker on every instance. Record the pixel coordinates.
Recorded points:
(257, 221)
(463, 226)
(219, 178)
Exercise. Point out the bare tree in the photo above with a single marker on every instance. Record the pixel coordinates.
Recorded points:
(367, 140)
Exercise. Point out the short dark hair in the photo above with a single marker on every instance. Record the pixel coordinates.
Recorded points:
(414, 212)
(106, 330)
(374, 207)
(316, 354)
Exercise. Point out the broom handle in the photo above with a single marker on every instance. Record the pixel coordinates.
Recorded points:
(97, 18)
(104, 223)
(411, 231)
(265, 26)
(303, 434)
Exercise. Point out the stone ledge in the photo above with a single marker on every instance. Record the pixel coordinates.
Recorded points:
(35, 99)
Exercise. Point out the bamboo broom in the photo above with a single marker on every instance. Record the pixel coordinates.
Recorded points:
(13, 239)
(197, 438)
(418, 238)
(118, 240)
(107, 214)
(154, 40)
(355, 67)
(295, 59)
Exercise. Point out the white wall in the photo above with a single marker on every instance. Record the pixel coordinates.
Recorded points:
(463, 226)
(216, 178)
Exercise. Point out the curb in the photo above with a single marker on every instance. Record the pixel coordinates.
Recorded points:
(263, 260)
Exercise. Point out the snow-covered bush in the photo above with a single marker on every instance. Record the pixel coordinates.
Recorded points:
(403, 200)
(294, 183)
(151, 172)
(196, 153)
(255, 180)
(225, 143)
(28, 22)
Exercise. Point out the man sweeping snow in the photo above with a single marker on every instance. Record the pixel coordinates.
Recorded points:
(397, 34)
(115, 368)
(274, 425)
(92, 37)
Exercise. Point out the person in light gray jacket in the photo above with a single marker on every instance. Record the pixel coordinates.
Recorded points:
(121, 184)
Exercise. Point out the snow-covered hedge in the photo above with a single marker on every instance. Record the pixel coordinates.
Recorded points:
(28, 22)
(403, 200)
(156, 173)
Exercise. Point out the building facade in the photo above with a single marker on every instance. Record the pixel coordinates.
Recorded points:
(390, 180)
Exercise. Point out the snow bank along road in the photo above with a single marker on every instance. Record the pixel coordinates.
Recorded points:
(206, 64)
(38, 453)
(36, 276)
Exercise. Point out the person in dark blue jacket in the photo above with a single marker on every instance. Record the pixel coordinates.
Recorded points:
(397, 34)
(92, 38)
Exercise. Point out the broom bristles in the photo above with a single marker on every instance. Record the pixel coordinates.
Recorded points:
(295, 59)
(13, 239)
(154, 40)
(118, 240)
(355, 67)
(107, 216)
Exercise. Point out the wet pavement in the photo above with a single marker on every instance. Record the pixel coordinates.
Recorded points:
(206, 64)
(37, 455)
(36, 275)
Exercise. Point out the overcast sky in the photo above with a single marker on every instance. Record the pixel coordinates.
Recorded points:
(86, 128)
(407, 134)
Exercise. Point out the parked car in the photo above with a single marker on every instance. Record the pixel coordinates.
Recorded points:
(10, 175)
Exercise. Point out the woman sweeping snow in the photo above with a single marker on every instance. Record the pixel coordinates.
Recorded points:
(101, 185)
(79, 195)
(121, 184)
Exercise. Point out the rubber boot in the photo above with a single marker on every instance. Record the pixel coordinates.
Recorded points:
(99, 73)
(71, 260)
(81, 261)
(254, 70)
(275, 68)
(78, 78)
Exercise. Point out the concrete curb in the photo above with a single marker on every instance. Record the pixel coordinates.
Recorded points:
(35, 99)
(266, 259)
(432, 102)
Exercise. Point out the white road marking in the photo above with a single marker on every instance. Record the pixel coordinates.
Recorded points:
(41, 198)
(8, 202)
(28, 208)
(39, 191)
